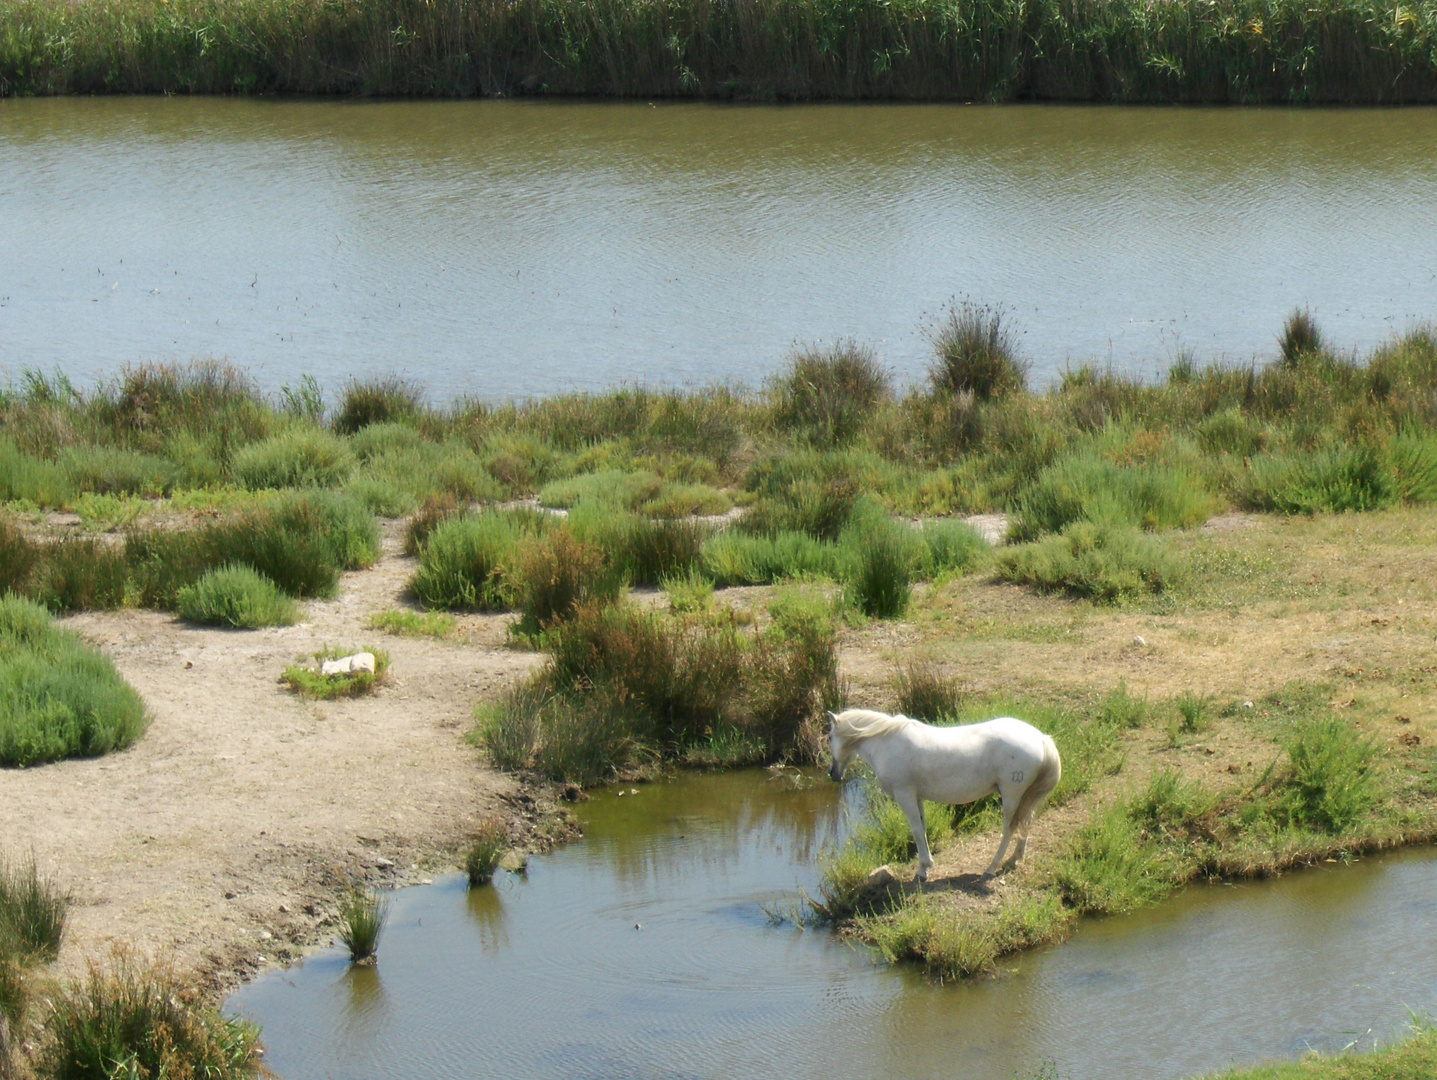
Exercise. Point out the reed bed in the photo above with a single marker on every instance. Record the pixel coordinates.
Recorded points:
(1229, 51)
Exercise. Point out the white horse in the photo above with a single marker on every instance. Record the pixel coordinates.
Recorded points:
(914, 761)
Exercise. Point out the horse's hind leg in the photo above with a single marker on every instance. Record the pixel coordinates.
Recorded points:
(1010, 809)
(912, 808)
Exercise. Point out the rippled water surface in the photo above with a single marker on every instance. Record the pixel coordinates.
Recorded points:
(549, 977)
(515, 248)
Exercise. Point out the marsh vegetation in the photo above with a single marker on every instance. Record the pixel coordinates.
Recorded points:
(774, 50)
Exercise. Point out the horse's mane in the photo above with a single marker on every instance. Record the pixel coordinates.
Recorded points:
(855, 725)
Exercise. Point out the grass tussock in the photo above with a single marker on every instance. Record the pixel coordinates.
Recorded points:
(310, 681)
(1098, 562)
(487, 849)
(237, 596)
(362, 915)
(59, 697)
(975, 354)
(827, 395)
(129, 1018)
(1337, 54)
(32, 912)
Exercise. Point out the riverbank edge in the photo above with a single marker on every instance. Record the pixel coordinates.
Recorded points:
(1413, 1057)
(1063, 920)
(1234, 52)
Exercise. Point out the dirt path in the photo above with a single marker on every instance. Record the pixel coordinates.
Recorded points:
(224, 835)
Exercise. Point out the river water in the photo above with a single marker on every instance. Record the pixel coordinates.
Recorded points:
(644, 951)
(519, 248)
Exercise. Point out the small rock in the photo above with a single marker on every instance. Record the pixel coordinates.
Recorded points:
(349, 665)
(265, 935)
(622, 794)
(1247, 704)
(229, 896)
(284, 909)
(637, 926)
(1140, 642)
(882, 876)
(189, 664)
(633, 791)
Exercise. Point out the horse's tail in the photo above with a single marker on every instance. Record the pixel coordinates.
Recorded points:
(1045, 779)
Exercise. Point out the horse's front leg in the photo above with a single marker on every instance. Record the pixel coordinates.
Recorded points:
(913, 810)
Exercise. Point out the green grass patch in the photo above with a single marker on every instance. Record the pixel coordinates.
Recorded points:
(32, 912)
(59, 697)
(402, 623)
(235, 595)
(310, 681)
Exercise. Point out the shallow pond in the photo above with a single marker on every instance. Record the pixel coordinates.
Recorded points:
(549, 976)
(516, 248)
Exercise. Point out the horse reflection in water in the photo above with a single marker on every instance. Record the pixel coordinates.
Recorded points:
(914, 762)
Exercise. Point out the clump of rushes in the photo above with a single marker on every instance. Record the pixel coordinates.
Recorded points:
(1193, 715)
(32, 910)
(974, 353)
(1300, 336)
(59, 697)
(486, 851)
(431, 624)
(238, 596)
(312, 683)
(925, 692)
(828, 394)
(378, 401)
(132, 1019)
(362, 914)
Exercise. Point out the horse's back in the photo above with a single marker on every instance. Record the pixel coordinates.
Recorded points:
(963, 762)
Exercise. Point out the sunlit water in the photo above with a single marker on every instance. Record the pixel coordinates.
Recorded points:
(518, 248)
(549, 977)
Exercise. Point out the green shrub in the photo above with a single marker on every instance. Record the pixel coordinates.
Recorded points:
(641, 551)
(974, 353)
(687, 500)
(32, 911)
(1122, 709)
(18, 558)
(609, 487)
(486, 851)
(1086, 488)
(80, 575)
(312, 683)
(389, 437)
(112, 470)
(362, 915)
(954, 547)
(732, 558)
(819, 508)
(690, 593)
(1194, 712)
(461, 563)
(26, 477)
(1340, 479)
(552, 575)
(132, 1020)
(1332, 780)
(1414, 467)
(586, 737)
(1170, 808)
(1231, 431)
(828, 394)
(378, 401)
(880, 558)
(235, 595)
(58, 697)
(1094, 561)
(299, 457)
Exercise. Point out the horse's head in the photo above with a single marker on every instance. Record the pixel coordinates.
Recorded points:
(837, 750)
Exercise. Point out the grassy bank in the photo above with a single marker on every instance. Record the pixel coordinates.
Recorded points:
(1414, 1058)
(1349, 51)
(1274, 713)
